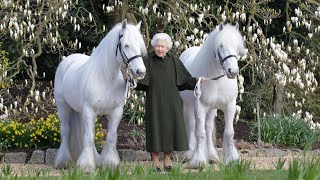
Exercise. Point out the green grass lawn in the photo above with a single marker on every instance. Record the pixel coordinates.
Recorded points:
(303, 168)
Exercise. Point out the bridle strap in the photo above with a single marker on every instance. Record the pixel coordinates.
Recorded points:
(197, 90)
(125, 59)
(216, 78)
(130, 82)
(227, 57)
(132, 58)
(222, 60)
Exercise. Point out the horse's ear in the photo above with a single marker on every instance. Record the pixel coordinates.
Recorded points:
(220, 27)
(237, 25)
(124, 24)
(138, 25)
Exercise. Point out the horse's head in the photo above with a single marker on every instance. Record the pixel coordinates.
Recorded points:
(230, 48)
(131, 48)
(228, 60)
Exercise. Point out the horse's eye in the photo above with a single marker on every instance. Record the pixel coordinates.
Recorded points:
(126, 45)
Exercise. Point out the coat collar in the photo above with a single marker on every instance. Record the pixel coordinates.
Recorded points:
(153, 54)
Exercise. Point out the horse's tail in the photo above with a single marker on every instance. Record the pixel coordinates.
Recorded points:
(76, 134)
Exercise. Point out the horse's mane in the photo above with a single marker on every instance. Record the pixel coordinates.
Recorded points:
(228, 36)
(105, 52)
(223, 37)
(103, 63)
(110, 41)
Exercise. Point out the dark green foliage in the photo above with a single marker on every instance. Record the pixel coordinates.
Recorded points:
(288, 131)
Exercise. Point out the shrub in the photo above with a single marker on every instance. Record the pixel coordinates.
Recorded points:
(134, 109)
(41, 133)
(288, 131)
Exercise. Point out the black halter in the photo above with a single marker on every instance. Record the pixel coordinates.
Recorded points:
(222, 60)
(125, 59)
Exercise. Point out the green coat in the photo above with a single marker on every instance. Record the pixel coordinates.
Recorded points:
(165, 127)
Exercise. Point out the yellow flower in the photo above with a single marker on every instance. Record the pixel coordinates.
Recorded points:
(26, 145)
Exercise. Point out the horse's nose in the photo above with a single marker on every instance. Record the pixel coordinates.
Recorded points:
(233, 73)
(140, 73)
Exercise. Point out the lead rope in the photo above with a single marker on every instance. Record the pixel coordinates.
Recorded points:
(130, 82)
(197, 93)
(197, 89)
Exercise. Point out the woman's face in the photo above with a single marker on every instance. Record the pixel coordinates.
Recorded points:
(161, 48)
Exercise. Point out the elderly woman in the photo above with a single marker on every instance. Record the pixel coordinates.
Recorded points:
(165, 77)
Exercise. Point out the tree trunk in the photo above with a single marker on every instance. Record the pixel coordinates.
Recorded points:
(278, 95)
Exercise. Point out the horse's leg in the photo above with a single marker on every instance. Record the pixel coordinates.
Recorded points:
(211, 136)
(230, 152)
(200, 155)
(86, 160)
(76, 136)
(109, 155)
(188, 112)
(63, 157)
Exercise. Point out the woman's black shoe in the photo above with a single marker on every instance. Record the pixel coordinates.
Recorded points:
(168, 168)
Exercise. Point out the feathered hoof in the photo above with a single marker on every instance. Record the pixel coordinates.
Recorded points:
(108, 164)
(63, 160)
(187, 156)
(111, 161)
(63, 164)
(197, 163)
(86, 164)
(232, 158)
(86, 168)
(214, 160)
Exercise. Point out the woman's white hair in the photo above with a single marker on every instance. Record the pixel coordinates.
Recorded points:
(162, 36)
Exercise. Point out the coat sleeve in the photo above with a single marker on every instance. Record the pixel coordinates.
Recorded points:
(184, 79)
(188, 85)
(143, 84)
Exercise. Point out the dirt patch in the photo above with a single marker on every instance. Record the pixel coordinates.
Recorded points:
(133, 136)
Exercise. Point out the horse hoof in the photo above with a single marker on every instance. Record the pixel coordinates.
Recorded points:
(107, 164)
(87, 169)
(187, 156)
(214, 161)
(195, 164)
(63, 160)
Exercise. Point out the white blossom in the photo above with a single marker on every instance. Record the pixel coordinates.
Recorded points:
(177, 44)
(154, 8)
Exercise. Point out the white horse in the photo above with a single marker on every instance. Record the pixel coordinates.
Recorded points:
(87, 86)
(217, 57)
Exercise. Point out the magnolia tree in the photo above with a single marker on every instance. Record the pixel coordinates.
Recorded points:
(282, 39)
(282, 42)
(30, 29)
(34, 27)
